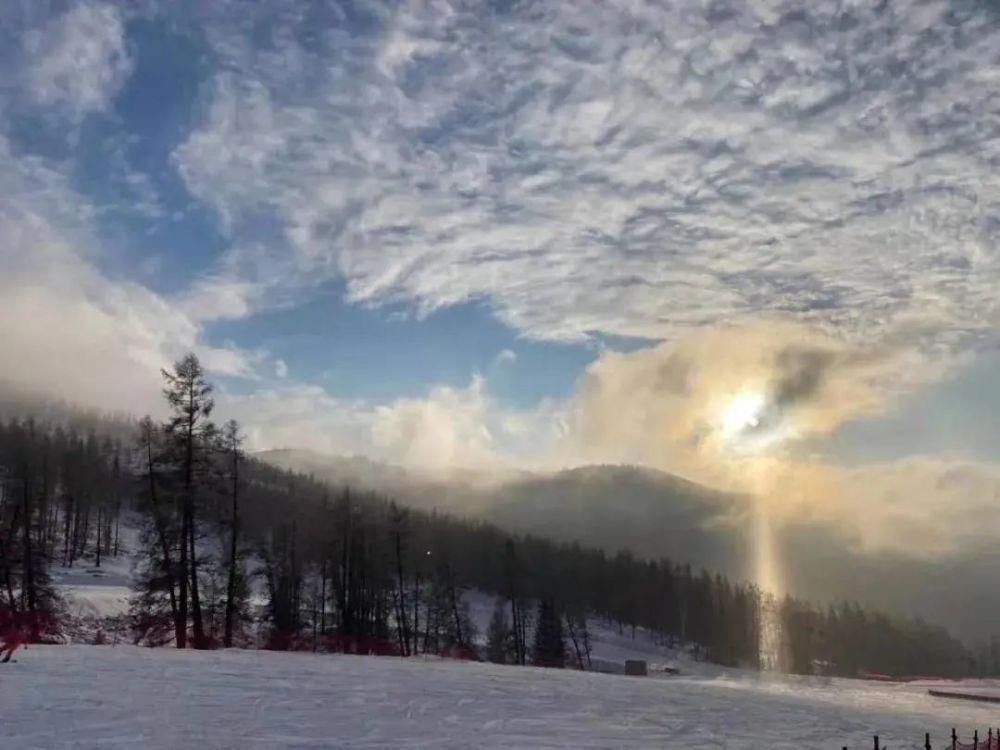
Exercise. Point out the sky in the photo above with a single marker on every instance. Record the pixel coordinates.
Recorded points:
(744, 241)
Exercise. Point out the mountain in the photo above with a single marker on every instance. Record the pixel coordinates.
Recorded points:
(653, 514)
(650, 513)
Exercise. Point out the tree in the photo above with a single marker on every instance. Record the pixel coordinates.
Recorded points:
(499, 637)
(191, 435)
(283, 575)
(233, 445)
(399, 523)
(550, 645)
(157, 574)
(337, 563)
(516, 606)
(576, 626)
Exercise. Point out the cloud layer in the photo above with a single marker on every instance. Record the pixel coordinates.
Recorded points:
(795, 204)
(625, 168)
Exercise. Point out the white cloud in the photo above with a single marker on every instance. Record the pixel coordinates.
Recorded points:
(451, 427)
(68, 329)
(664, 407)
(625, 168)
(507, 356)
(219, 298)
(298, 415)
(78, 61)
(448, 428)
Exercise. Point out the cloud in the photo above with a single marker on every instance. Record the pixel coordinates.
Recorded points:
(445, 429)
(507, 356)
(797, 202)
(920, 506)
(668, 407)
(213, 298)
(67, 328)
(298, 415)
(621, 168)
(664, 407)
(68, 331)
(77, 61)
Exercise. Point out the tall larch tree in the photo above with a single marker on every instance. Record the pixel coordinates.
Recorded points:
(191, 434)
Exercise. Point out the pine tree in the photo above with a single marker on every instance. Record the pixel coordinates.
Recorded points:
(550, 644)
(499, 637)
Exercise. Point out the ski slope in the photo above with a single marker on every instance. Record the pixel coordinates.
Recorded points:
(127, 697)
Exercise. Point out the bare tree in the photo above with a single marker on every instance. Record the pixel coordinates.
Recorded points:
(232, 441)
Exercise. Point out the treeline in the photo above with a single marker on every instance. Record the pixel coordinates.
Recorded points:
(231, 551)
(61, 499)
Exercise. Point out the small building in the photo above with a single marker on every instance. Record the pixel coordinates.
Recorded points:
(636, 668)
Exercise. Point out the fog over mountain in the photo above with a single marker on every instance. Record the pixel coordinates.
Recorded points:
(654, 514)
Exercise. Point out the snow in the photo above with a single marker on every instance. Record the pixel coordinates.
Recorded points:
(126, 697)
(609, 648)
(94, 592)
(122, 696)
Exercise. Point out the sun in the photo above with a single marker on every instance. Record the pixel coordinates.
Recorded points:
(743, 413)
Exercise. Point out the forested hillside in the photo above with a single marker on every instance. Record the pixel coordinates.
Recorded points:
(336, 569)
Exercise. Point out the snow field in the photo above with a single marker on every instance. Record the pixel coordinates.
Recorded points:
(128, 697)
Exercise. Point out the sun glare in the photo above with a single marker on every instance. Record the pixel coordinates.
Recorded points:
(742, 413)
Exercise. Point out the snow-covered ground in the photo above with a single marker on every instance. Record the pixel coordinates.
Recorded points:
(609, 647)
(128, 697)
(92, 592)
(81, 696)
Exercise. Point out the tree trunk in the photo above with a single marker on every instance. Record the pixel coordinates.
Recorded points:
(182, 578)
(118, 513)
(82, 538)
(67, 520)
(322, 599)
(8, 566)
(97, 562)
(416, 610)
(30, 592)
(192, 562)
(233, 561)
(180, 630)
(576, 642)
(454, 609)
(196, 616)
(404, 632)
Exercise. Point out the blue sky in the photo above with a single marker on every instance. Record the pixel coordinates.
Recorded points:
(488, 234)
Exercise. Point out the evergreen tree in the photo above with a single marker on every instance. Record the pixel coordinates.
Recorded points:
(499, 637)
(550, 644)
